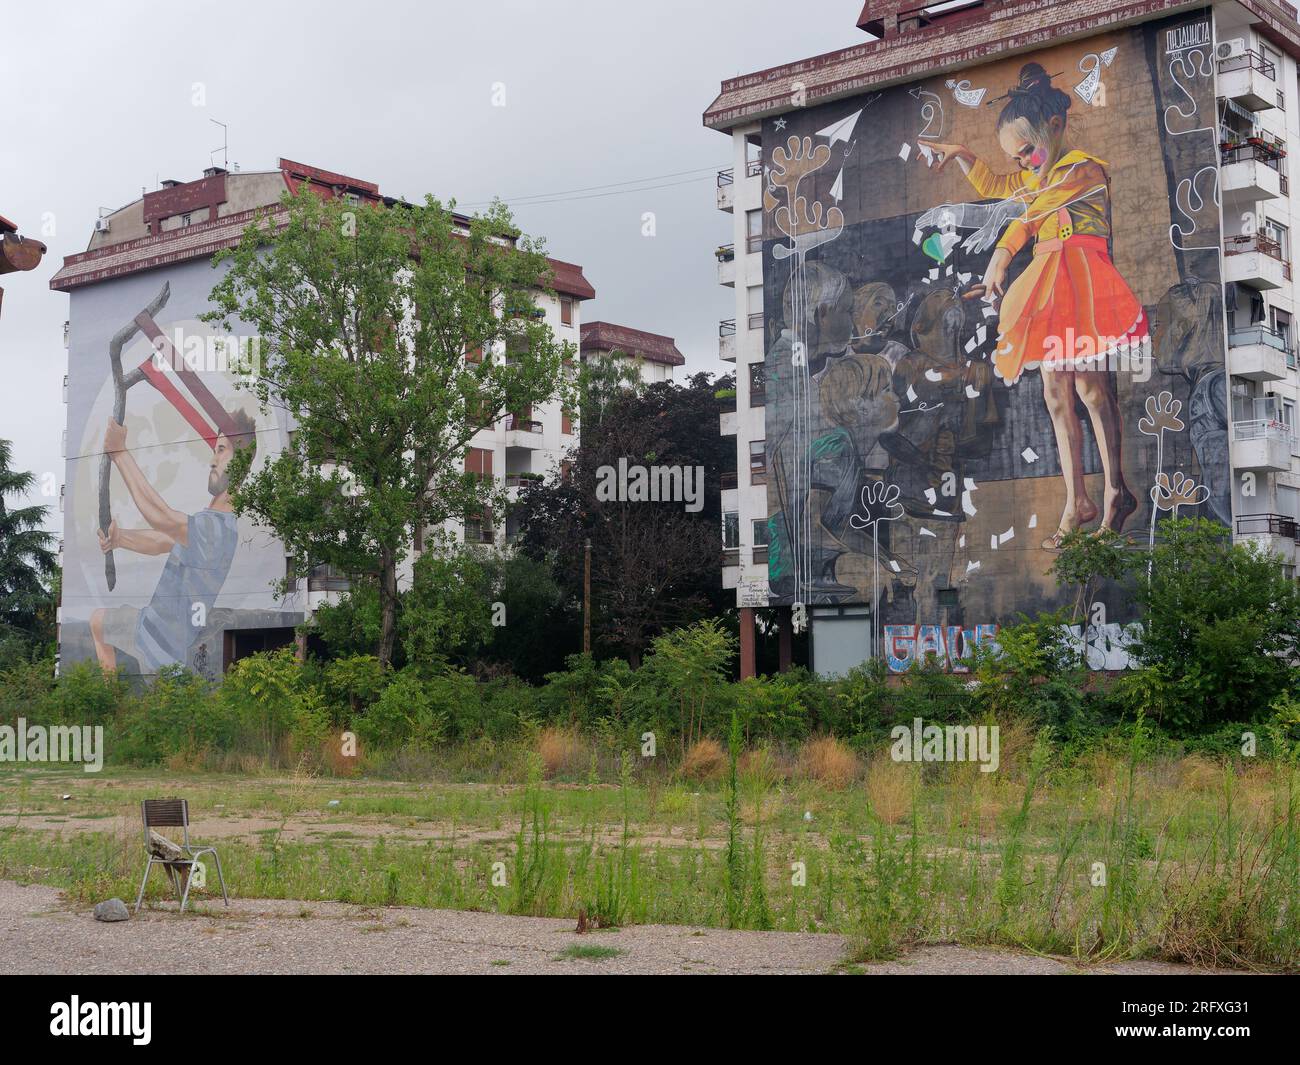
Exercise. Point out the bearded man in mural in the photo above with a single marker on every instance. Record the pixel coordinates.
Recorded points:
(1069, 311)
(199, 547)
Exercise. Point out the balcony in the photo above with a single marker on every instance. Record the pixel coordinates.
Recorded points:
(1251, 172)
(1259, 354)
(523, 432)
(1275, 534)
(1262, 445)
(727, 340)
(1256, 260)
(1250, 80)
(726, 256)
(726, 190)
(727, 480)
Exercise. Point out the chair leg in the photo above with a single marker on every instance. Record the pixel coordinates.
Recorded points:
(140, 897)
(221, 878)
(189, 879)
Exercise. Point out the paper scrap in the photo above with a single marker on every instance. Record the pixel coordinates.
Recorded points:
(1029, 455)
(895, 566)
(905, 151)
(971, 567)
(971, 391)
(927, 532)
(931, 497)
(1033, 521)
(911, 394)
(933, 375)
(1009, 534)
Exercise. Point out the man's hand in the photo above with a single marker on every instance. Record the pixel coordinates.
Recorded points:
(110, 541)
(114, 438)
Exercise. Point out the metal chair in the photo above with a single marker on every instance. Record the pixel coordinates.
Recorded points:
(174, 813)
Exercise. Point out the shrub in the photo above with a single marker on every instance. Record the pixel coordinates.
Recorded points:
(563, 751)
(85, 695)
(828, 761)
(888, 789)
(704, 760)
(406, 712)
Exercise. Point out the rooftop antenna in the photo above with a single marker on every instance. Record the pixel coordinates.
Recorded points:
(223, 147)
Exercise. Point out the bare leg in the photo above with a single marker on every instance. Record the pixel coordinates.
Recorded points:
(105, 652)
(1097, 390)
(1058, 393)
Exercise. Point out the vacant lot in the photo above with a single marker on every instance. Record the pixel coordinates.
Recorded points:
(1180, 861)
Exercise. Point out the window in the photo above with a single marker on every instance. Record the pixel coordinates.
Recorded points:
(757, 384)
(1288, 416)
(478, 528)
(759, 527)
(731, 531)
(566, 310)
(754, 231)
(475, 355)
(566, 424)
(758, 462)
(1279, 234)
(1282, 327)
(754, 298)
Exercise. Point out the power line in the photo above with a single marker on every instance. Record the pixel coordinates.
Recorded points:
(573, 193)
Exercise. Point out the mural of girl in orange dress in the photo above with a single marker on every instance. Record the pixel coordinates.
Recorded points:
(1068, 312)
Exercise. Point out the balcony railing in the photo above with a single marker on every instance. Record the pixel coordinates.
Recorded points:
(1268, 154)
(753, 168)
(522, 425)
(1244, 243)
(1269, 525)
(1259, 334)
(1252, 60)
(726, 177)
(756, 320)
(1263, 429)
(725, 253)
(754, 244)
(728, 479)
(727, 327)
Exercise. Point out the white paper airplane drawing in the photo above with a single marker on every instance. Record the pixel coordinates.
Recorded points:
(841, 130)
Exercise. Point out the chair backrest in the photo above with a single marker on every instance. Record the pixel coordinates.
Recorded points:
(165, 813)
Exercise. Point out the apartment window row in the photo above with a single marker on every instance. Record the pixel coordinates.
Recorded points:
(731, 537)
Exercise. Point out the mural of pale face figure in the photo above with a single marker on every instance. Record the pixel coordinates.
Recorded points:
(1062, 197)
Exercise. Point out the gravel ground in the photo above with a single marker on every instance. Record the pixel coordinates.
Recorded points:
(42, 934)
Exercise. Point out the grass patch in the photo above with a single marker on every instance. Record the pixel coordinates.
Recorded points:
(583, 952)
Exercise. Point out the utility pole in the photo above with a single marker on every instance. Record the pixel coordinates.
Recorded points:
(586, 598)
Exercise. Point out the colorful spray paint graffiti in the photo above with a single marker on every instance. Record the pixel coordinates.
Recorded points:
(988, 303)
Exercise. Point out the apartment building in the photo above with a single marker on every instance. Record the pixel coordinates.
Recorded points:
(147, 273)
(652, 356)
(1007, 269)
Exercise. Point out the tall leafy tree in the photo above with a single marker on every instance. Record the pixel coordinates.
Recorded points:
(28, 560)
(655, 565)
(390, 335)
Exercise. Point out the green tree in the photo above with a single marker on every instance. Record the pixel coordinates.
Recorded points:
(1221, 626)
(27, 561)
(447, 614)
(654, 565)
(390, 335)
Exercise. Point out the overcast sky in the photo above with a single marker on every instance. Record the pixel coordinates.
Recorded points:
(99, 102)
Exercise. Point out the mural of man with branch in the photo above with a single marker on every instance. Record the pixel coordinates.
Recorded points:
(199, 547)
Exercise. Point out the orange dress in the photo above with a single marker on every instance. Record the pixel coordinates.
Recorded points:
(1069, 309)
